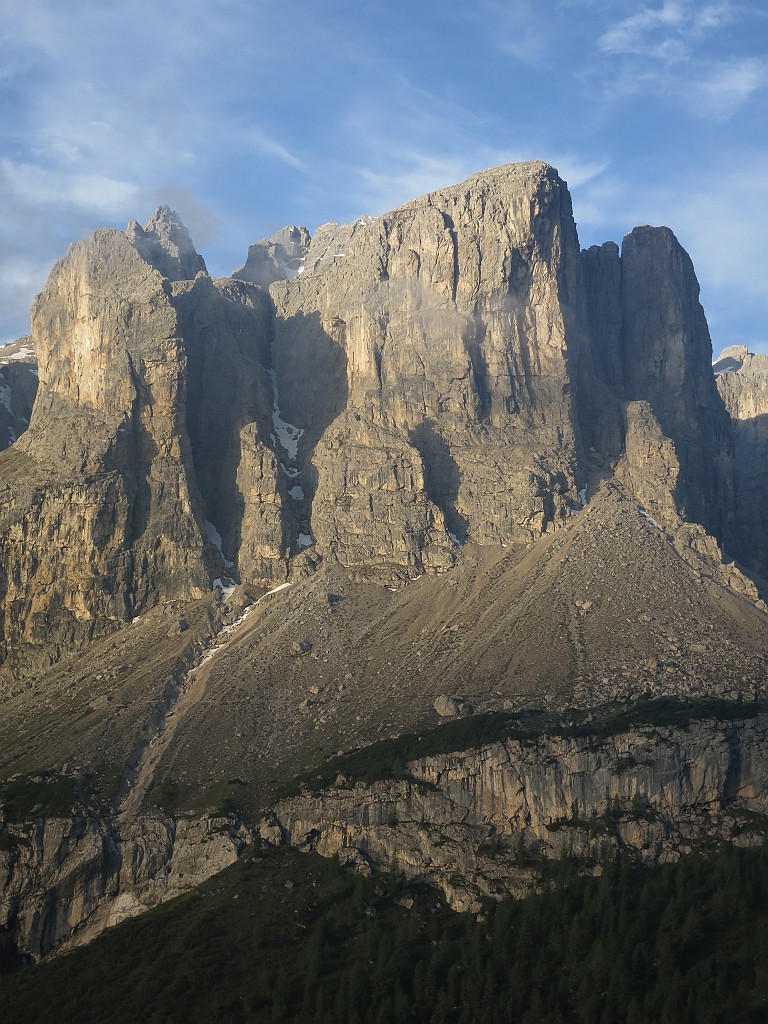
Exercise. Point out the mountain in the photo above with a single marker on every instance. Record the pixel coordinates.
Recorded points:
(439, 466)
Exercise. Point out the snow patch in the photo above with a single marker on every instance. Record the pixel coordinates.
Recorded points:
(649, 519)
(297, 493)
(583, 496)
(226, 585)
(25, 352)
(305, 540)
(453, 539)
(287, 433)
(214, 537)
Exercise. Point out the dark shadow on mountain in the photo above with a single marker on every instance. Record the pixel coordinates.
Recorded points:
(442, 476)
(310, 365)
(748, 538)
(226, 329)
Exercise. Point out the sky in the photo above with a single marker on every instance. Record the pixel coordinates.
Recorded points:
(246, 115)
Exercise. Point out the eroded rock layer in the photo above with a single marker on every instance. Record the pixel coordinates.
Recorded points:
(471, 821)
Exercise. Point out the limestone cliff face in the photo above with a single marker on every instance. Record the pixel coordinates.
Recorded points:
(226, 327)
(425, 356)
(101, 510)
(63, 881)
(452, 371)
(742, 380)
(468, 821)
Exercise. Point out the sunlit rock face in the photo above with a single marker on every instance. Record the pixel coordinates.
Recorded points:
(425, 354)
(103, 511)
(153, 407)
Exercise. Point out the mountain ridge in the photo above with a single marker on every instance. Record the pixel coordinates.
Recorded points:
(438, 463)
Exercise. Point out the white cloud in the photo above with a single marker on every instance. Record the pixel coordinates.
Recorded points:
(28, 183)
(726, 87)
(264, 145)
(517, 28)
(665, 33)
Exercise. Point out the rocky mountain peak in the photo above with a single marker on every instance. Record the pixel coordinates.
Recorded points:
(165, 243)
(738, 358)
(277, 258)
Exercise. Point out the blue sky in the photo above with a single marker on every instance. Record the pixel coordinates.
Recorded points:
(246, 115)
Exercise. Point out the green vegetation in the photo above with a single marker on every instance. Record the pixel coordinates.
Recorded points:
(283, 937)
(386, 759)
(217, 798)
(45, 795)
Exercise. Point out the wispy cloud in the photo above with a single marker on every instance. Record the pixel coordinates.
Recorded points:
(665, 33)
(518, 29)
(264, 145)
(28, 183)
(725, 88)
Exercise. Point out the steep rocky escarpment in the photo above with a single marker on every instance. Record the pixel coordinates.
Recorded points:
(426, 360)
(454, 371)
(100, 509)
(226, 329)
(64, 880)
(472, 822)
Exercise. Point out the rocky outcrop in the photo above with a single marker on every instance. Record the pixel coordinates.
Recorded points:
(279, 258)
(63, 881)
(166, 245)
(650, 471)
(742, 380)
(470, 821)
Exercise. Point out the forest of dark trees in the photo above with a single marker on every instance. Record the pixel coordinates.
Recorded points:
(284, 937)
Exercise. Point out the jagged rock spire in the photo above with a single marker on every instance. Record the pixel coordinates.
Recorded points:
(165, 243)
